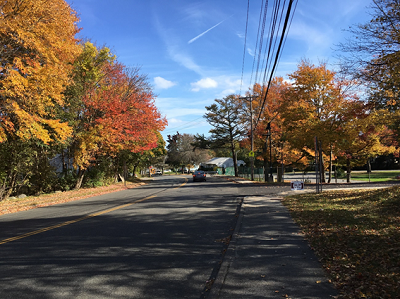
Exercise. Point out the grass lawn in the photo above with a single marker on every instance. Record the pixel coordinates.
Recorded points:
(356, 235)
(376, 176)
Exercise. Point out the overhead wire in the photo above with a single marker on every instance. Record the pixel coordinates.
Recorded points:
(261, 45)
(268, 55)
(245, 44)
(278, 55)
(290, 24)
(186, 125)
(273, 40)
(258, 34)
(284, 42)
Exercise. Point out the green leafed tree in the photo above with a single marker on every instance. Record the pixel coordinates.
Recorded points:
(225, 116)
(182, 152)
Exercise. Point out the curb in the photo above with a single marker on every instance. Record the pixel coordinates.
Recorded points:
(228, 257)
(228, 249)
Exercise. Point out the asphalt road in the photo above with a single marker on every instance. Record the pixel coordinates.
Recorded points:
(162, 240)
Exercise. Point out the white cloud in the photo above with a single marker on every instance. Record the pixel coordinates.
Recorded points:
(174, 121)
(204, 83)
(162, 83)
(176, 113)
(183, 59)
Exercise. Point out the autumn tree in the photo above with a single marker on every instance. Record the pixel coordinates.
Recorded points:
(225, 118)
(320, 104)
(111, 109)
(120, 115)
(310, 108)
(38, 47)
(266, 112)
(363, 135)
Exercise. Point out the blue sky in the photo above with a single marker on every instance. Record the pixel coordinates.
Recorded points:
(192, 51)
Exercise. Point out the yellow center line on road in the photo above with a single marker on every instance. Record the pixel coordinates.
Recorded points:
(186, 180)
(45, 229)
(73, 221)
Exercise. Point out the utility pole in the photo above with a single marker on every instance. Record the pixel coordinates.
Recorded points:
(251, 155)
(318, 167)
(269, 135)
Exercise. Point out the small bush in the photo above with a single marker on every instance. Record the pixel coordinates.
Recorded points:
(66, 181)
(340, 173)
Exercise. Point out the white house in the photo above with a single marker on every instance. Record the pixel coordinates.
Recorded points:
(221, 162)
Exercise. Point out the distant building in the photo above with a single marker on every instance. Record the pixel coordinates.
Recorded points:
(221, 163)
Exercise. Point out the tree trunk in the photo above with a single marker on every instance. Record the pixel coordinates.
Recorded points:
(322, 166)
(79, 181)
(134, 170)
(6, 191)
(265, 156)
(348, 170)
(265, 169)
(330, 164)
(279, 172)
(121, 177)
(234, 160)
(64, 164)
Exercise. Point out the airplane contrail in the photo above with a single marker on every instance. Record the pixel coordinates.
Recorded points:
(201, 34)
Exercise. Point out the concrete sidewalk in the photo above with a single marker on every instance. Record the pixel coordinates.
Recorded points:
(268, 257)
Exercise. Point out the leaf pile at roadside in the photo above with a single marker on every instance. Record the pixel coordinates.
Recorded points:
(32, 202)
(356, 235)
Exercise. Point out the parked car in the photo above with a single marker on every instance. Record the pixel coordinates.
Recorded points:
(199, 175)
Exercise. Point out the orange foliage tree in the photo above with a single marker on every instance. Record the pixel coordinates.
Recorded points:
(363, 135)
(280, 153)
(312, 108)
(111, 109)
(319, 104)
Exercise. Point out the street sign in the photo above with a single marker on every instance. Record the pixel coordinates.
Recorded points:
(297, 185)
(251, 154)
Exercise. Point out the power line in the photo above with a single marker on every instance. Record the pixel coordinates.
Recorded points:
(245, 41)
(271, 48)
(273, 41)
(278, 53)
(256, 47)
(290, 24)
(183, 126)
(261, 39)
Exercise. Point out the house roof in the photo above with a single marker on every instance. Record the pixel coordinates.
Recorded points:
(223, 162)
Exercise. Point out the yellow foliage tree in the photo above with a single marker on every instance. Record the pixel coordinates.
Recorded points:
(38, 46)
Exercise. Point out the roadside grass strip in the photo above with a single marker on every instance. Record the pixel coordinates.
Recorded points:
(376, 176)
(356, 235)
(32, 202)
